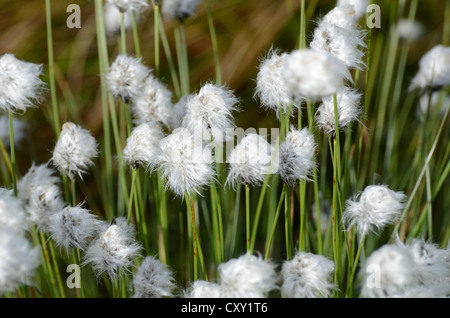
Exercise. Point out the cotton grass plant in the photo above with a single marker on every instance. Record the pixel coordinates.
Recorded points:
(164, 187)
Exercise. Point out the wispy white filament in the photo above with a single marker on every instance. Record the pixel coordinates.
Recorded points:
(20, 83)
(74, 150)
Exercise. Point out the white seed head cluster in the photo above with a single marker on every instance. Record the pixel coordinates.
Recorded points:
(409, 30)
(203, 289)
(126, 76)
(74, 151)
(348, 109)
(359, 7)
(142, 147)
(434, 69)
(247, 276)
(19, 128)
(185, 162)
(210, 109)
(437, 101)
(12, 212)
(114, 251)
(40, 192)
(153, 103)
(377, 207)
(113, 20)
(314, 74)
(415, 270)
(128, 5)
(344, 43)
(153, 279)
(297, 156)
(270, 89)
(20, 83)
(179, 9)
(307, 275)
(251, 160)
(74, 227)
(19, 260)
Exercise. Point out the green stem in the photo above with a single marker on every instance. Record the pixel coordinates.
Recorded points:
(247, 217)
(156, 37)
(137, 45)
(275, 221)
(215, 48)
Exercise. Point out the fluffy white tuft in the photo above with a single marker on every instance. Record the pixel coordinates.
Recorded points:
(203, 289)
(179, 9)
(126, 76)
(113, 21)
(314, 74)
(153, 279)
(377, 207)
(348, 109)
(297, 156)
(307, 276)
(12, 212)
(142, 147)
(270, 88)
(74, 150)
(19, 260)
(409, 30)
(359, 7)
(434, 69)
(74, 227)
(115, 249)
(185, 162)
(129, 5)
(20, 83)
(251, 160)
(343, 16)
(153, 104)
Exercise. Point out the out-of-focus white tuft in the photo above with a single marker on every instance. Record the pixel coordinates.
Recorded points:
(142, 147)
(20, 83)
(307, 276)
(12, 212)
(113, 21)
(377, 207)
(270, 89)
(39, 189)
(185, 162)
(126, 77)
(74, 150)
(153, 279)
(203, 289)
(297, 156)
(348, 109)
(434, 69)
(359, 7)
(114, 250)
(179, 9)
(153, 104)
(409, 30)
(19, 260)
(74, 227)
(247, 276)
(251, 160)
(314, 74)
(129, 5)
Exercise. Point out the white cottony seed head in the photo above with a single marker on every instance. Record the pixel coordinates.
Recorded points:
(270, 88)
(19, 260)
(203, 289)
(307, 276)
(41, 194)
(179, 9)
(74, 150)
(153, 279)
(126, 76)
(185, 163)
(20, 83)
(343, 16)
(153, 104)
(297, 156)
(251, 160)
(247, 276)
(114, 250)
(128, 5)
(179, 111)
(12, 212)
(142, 146)
(359, 7)
(348, 109)
(434, 69)
(409, 30)
(388, 272)
(345, 44)
(377, 207)
(113, 20)
(74, 227)
(314, 74)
